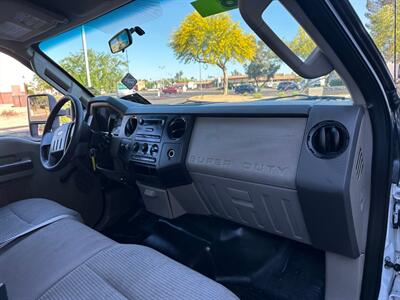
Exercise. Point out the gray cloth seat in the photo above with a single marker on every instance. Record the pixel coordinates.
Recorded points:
(24, 215)
(68, 260)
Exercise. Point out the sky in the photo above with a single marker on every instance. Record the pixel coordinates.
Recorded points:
(150, 57)
(12, 73)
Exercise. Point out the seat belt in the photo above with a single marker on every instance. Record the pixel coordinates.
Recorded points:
(3, 292)
(8, 240)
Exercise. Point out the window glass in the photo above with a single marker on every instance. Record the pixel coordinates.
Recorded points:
(188, 57)
(16, 83)
(288, 30)
(378, 17)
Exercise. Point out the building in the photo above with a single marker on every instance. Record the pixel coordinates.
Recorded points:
(14, 97)
(140, 85)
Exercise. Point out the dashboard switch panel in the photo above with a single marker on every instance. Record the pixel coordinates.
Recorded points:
(157, 156)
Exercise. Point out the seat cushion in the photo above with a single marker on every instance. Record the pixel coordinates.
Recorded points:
(20, 216)
(68, 260)
(34, 263)
(135, 272)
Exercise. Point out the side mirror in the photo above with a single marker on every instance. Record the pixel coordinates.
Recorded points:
(39, 108)
(120, 41)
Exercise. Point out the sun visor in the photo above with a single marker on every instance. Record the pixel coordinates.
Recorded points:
(315, 65)
(20, 20)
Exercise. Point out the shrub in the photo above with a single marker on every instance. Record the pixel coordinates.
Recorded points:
(9, 113)
(258, 95)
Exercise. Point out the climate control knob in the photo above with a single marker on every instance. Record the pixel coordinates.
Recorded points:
(124, 147)
(136, 147)
(154, 150)
(145, 148)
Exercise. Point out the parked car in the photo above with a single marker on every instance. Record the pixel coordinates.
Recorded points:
(170, 90)
(287, 86)
(245, 88)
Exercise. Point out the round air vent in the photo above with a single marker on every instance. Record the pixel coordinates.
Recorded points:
(328, 139)
(176, 128)
(130, 126)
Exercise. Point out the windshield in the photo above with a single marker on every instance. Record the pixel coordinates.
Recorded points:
(184, 57)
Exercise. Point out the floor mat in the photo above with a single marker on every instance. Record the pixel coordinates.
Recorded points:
(251, 263)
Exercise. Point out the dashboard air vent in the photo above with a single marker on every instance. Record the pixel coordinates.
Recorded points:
(328, 139)
(130, 126)
(176, 128)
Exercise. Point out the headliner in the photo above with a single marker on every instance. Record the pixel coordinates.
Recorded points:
(23, 23)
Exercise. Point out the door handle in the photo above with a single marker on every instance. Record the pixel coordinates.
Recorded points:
(15, 167)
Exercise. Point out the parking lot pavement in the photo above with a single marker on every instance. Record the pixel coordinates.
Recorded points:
(182, 97)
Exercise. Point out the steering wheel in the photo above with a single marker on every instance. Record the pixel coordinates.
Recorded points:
(58, 146)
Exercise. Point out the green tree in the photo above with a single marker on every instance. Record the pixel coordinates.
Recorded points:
(150, 84)
(215, 40)
(106, 70)
(264, 64)
(380, 24)
(38, 86)
(373, 6)
(235, 73)
(178, 76)
(302, 45)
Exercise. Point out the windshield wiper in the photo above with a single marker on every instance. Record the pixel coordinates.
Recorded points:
(327, 98)
(302, 96)
(199, 102)
(307, 97)
(136, 98)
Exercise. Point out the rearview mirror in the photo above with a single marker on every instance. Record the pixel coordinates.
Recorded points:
(39, 108)
(120, 41)
(123, 39)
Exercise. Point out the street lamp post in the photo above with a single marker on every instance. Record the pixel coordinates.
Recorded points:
(201, 83)
(127, 58)
(85, 53)
(162, 78)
